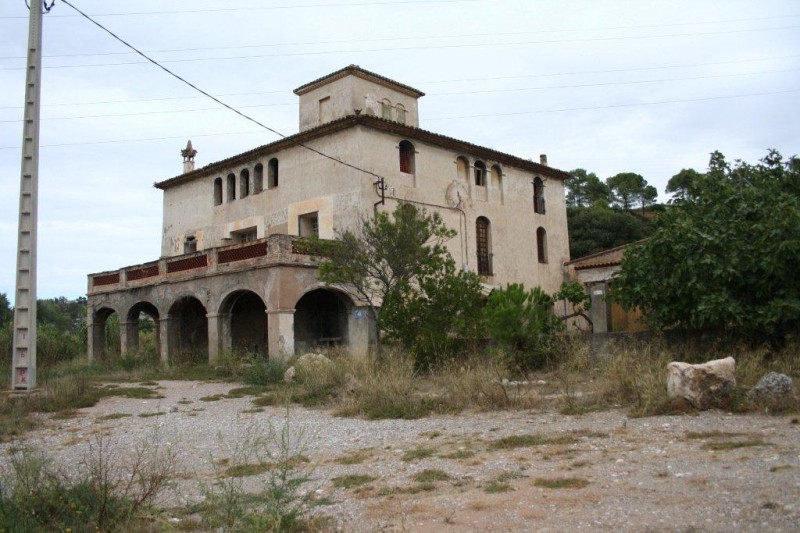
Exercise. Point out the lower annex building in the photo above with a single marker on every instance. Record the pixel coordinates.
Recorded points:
(231, 272)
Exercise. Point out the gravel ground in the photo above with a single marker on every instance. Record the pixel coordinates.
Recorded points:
(628, 474)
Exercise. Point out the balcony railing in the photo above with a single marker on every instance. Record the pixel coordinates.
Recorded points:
(274, 248)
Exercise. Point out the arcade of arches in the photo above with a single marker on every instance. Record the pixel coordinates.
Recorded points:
(193, 324)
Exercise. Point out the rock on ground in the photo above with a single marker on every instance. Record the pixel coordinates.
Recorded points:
(704, 385)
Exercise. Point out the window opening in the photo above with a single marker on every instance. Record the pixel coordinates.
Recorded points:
(401, 114)
(406, 157)
(258, 178)
(244, 183)
(538, 196)
(272, 173)
(218, 191)
(247, 235)
(541, 245)
(190, 244)
(386, 110)
(231, 187)
(484, 246)
(480, 174)
(308, 225)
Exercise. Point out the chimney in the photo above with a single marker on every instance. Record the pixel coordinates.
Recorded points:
(543, 159)
(188, 154)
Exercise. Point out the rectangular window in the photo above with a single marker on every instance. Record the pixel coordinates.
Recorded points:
(247, 235)
(308, 225)
(325, 110)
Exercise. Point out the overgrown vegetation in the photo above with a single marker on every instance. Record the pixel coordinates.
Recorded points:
(725, 257)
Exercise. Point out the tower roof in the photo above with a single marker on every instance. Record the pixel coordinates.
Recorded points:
(355, 70)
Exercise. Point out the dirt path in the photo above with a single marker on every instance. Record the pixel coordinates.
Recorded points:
(500, 471)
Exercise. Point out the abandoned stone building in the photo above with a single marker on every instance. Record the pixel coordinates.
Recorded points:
(232, 273)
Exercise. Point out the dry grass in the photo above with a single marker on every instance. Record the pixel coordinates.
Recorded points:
(561, 483)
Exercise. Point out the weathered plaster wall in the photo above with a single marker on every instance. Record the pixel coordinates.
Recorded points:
(348, 94)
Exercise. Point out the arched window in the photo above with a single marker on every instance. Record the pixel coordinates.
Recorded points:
(541, 245)
(480, 174)
(272, 173)
(218, 191)
(386, 109)
(538, 195)
(462, 170)
(401, 113)
(406, 157)
(244, 183)
(231, 187)
(258, 178)
(484, 245)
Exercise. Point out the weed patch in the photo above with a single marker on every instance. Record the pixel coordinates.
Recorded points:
(418, 453)
(733, 445)
(355, 458)
(525, 441)
(431, 475)
(352, 480)
(113, 416)
(561, 483)
(246, 470)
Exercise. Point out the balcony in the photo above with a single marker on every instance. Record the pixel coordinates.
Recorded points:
(270, 251)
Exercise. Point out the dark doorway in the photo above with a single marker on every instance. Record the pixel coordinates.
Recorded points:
(188, 331)
(248, 322)
(320, 319)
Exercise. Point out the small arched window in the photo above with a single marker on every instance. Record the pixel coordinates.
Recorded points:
(541, 245)
(231, 187)
(484, 246)
(258, 178)
(218, 191)
(462, 170)
(401, 113)
(538, 195)
(480, 174)
(406, 157)
(386, 109)
(272, 173)
(244, 183)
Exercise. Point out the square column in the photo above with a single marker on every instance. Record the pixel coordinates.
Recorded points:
(215, 336)
(128, 337)
(361, 331)
(164, 339)
(280, 333)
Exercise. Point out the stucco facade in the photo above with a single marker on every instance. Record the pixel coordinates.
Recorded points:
(230, 227)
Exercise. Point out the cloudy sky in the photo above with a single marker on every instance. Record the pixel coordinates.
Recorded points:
(611, 86)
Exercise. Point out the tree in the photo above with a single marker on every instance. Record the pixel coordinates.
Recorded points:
(585, 188)
(681, 185)
(385, 257)
(727, 257)
(438, 320)
(597, 228)
(648, 196)
(626, 189)
(6, 313)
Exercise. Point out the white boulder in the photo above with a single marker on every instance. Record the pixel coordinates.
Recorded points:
(704, 385)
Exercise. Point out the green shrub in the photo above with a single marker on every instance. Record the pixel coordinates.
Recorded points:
(264, 371)
(521, 322)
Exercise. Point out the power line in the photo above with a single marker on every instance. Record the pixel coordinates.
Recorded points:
(411, 38)
(410, 48)
(255, 8)
(538, 111)
(540, 75)
(546, 87)
(114, 141)
(614, 106)
(198, 89)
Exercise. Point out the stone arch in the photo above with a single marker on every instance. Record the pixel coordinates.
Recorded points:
(187, 329)
(480, 174)
(218, 191)
(143, 317)
(497, 182)
(231, 185)
(272, 173)
(258, 178)
(244, 317)
(105, 332)
(321, 318)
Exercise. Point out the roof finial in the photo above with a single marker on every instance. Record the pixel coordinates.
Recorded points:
(188, 154)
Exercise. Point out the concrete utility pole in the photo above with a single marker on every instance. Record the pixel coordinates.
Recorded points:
(23, 371)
